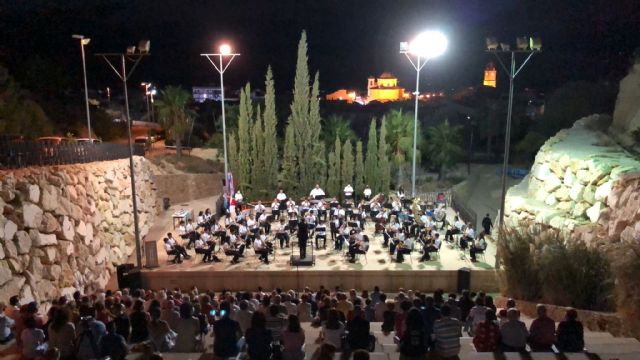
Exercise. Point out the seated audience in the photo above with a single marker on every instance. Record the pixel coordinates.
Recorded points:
(513, 333)
(62, 333)
(226, 333)
(332, 330)
(487, 334)
(139, 320)
(446, 333)
(358, 328)
(292, 340)
(258, 338)
(542, 332)
(414, 341)
(33, 343)
(6, 324)
(113, 344)
(570, 333)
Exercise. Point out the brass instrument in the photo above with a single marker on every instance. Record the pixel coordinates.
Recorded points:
(415, 209)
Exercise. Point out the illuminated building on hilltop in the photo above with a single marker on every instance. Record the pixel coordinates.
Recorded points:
(489, 75)
(385, 88)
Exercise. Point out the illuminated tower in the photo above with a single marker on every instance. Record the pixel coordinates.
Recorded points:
(490, 75)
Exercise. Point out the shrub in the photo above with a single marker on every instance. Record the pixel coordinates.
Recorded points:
(545, 264)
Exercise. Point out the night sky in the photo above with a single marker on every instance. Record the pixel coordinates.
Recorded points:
(348, 40)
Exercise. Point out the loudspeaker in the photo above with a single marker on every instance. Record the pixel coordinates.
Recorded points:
(464, 279)
(134, 279)
(295, 260)
(122, 271)
(151, 254)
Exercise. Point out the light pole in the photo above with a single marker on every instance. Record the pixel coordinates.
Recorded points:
(135, 57)
(425, 46)
(524, 46)
(85, 41)
(224, 52)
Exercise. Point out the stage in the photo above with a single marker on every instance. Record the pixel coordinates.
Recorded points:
(331, 267)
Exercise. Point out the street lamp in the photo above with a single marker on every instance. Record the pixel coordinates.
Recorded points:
(85, 41)
(133, 56)
(146, 97)
(524, 46)
(224, 52)
(424, 47)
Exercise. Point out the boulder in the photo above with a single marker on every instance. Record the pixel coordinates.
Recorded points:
(31, 214)
(34, 193)
(68, 231)
(50, 255)
(10, 249)
(45, 239)
(552, 183)
(10, 229)
(580, 209)
(550, 200)
(23, 242)
(11, 288)
(5, 272)
(562, 193)
(7, 194)
(576, 192)
(583, 176)
(49, 224)
(2, 254)
(594, 212)
(50, 198)
(569, 178)
(589, 194)
(603, 191)
(26, 294)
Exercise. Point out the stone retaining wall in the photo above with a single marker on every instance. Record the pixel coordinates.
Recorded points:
(181, 188)
(65, 227)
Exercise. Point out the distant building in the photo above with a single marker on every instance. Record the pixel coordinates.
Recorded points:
(203, 93)
(342, 95)
(385, 88)
(490, 75)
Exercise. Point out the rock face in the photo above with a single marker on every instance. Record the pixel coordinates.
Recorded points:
(583, 182)
(68, 226)
(626, 117)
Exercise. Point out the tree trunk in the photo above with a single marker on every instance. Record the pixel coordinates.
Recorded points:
(489, 138)
(441, 172)
(178, 147)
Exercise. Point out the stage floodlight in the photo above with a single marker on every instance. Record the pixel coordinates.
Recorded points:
(144, 46)
(505, 47)
(404, 47)
(535, 43)
(522, 43)
(492, 43)
(131, 50)
(429, 44)
(225, 49)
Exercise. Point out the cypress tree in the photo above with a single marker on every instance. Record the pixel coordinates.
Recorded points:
(245, 126)
(232, 150)
(288, 178)
(372, 172)
(257, 155)
(315, 151)
(384, 169)
(270, 123)
(333, 182)
(359, 169)
(347, 164)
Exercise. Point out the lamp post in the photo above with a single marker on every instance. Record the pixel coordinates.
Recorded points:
(135, 57)
(146, 97)
(424, 47)
(528, 47)
(85, 41)
(218, 64)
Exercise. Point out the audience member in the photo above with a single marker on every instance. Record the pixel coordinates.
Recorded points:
(292, 339)
(258, 338)
(33, 344)
(513, 332)
(487, 333)
(332, 330)
(6, 324)
(414, 340)
(542, 332)
(62, 333)
(570, 333)
(447, 334)
(226, 333)
(358, 328)
(139, 320)
(113, 344)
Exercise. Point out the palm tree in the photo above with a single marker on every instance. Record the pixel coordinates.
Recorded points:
(337, 126)
(443, 146)
(400, 140)
(175, 117)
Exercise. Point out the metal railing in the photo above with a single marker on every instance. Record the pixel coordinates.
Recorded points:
(20, 154)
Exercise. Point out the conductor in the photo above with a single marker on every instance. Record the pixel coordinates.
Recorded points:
(303, 236)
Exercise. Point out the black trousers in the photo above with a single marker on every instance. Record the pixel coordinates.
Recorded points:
(303, 247)
(284, 238)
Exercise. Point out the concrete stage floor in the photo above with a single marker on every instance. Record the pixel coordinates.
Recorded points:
(331, 267)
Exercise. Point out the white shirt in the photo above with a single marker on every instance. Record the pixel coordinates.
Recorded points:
(281, 196)
(316, 192)
(263, 218)
(182, 230)
(408, 242)
(168, 247)
(259, 244)
(238, 196)
(201, 219)
(348, 190)
(171, 241)
(367, 192)
(199, 244)
(259, 208)
(252, 224)
(189, 227)
(275, 206)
